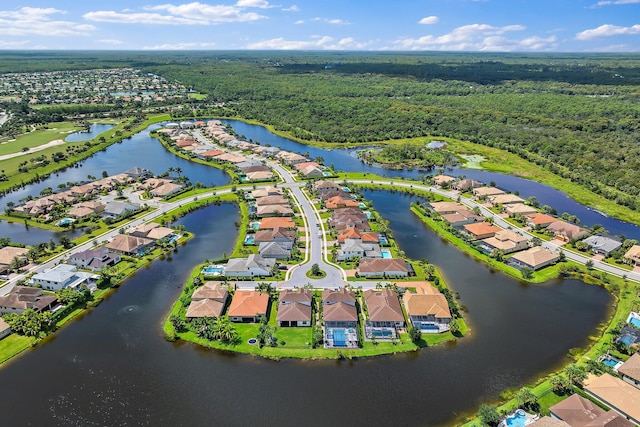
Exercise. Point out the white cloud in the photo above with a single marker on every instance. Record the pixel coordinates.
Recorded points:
(330, 21)
(614, 2)
(111, 41)
(318, 43)
(34, 20)
(262, 4)
(299, 21)
(478, 37)
(5, 44)
(180, 46)
(184, 14)
(293, 8)
(608, 30)
(429, 20)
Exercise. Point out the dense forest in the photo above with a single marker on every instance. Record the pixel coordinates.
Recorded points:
(575, 115)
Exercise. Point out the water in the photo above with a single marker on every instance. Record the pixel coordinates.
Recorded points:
(94, 130)
(114, 367)
(140, 150)
(519, 419)
(19, 233)
(346, 160)
(635, 322)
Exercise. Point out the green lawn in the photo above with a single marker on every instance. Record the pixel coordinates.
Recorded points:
(48, 133)
(13, 345)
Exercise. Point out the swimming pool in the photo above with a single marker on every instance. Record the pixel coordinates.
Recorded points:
(368, 214)
(611, 362)
(362, 205)
(519, 419)
(255, 225)
(634, 322)
(213, 270)
(385, 254)
(65, 221)
(249, 240)
(627, 339)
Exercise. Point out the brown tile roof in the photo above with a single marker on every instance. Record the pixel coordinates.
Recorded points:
(339, 312)
(576, 410)
(205, 308)
(536, 256)
(446, 207)
(274, 209)
(8, 253)
(295, 305)
(354, 233)
(212, 153)
(424, 304)
(482, 228)
(339, 202)
(505, 199)
(547, 421)
(342, 295)
(569, 230)
(159, 233)
(633, 252)
(210, 290)
(375, 265)
(487, 191)
(440, 179)
(275, 233)
(631, 367)
(383, 305)
(248, 304)
(615, 393)
(272, 200)
(126, 243)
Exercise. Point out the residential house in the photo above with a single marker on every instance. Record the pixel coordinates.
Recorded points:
(295, 308)
(482, 192)
(339, 309)
(577, 411)
(151, 231)
(273, 222)
(534, 258)
(325, 186)
(442, 179)
(80, 212)
(208, 300)
(272, 200)
(505, 199)
(165, 189)
(443, 208)
(267, 191)
(22, 298)
(7, 254)
(462, 217)
(481, 230)
(428, 309)
(547, 421)
(94, 259)
(633, 255)
(540, 220)
(507, 241)
(352, 248)
(129, 245)
(273, 210)
(354, 233)
(567, 232)
(253, 266)
(467, 184)
(211, 153)
(5, 329)
(259, 176)
(116, 209)
(275, 250)
(616, 394)
(334, 193)
(280, 235)
(248, 306)
(383, 267)
(137, 173)
(603, 245)
(519, 209)
(384, 309)
(63, 276)
(630, 370)
(338, 202)
(311, 172)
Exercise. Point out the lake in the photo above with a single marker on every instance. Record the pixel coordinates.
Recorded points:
(94, 130)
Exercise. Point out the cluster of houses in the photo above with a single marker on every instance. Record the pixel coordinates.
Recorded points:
(383, 318)
(88, 87)
(269, 202)
(93, 199)
(275, 240)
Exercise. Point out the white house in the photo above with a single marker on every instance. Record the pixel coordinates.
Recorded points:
(63, 276)
(254, 265)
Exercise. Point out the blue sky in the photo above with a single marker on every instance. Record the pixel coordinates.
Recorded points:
(439, 25)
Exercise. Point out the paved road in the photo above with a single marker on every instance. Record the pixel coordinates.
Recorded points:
(579, 258)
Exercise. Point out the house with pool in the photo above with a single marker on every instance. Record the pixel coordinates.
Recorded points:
(208, 300)
(630, 370)
(534, 258)
(384, 267)
(385, 317)
(252, 266)
(577, 411)
(428, 310)
(340, 317)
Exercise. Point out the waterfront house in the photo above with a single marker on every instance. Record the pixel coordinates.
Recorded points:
(384, 309)
(137, 173)
(443, 208)
(321, 187)
(354, 233)
(577, 411)
(275, 250)
(616, 394)
(339, 308)
(80, 212)
(462, 217)
(442, 179)
(94, 259)
(253, 266)
(281, 235)
(534, 258)
(630, 370)
(428, 309)
(116, 209)
(540, 220)
(152, 231)
(633, 255)
(274, 222)
(505, 199)
(352, 248)
(129, 245)
(248, 306)
(567, 232)
(334, 193)
(383, 267)
(338, 202)
(481, 230)
(295, 308)
(208, 300)
(519, 209)
(273, 210)
(211, 153)
(5, 329)
(259, 176)
(22, 298)
(507, 241)
(467, 184)
(603, 245)
(483, 192)
(7, 254)
(311, 172)
(63, 276)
